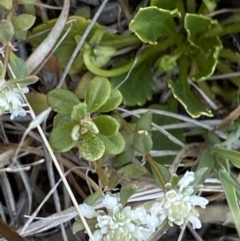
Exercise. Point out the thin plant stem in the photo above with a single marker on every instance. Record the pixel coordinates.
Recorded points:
(155, 168)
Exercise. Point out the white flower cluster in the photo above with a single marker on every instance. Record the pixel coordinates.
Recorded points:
(119, 223)
(11, 100)
(178, 206)
(124, 223)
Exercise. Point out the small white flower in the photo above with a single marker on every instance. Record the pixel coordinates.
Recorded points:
(88, 211)
(178, 206)
(186, 179)
(194, 220)
(110, 202)
(11, 100)
(198, 201)
(121, 223)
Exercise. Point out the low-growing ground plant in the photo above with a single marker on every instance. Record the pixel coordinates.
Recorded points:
(107, 149)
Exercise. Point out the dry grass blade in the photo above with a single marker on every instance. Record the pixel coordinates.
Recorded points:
(43, 50)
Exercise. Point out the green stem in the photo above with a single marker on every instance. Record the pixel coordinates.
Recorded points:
(125, 68)
(191, 6)
(5, 62)
(230, 55)
(183, 69)
(229, 29)
(180, 7)
(122, 41)
(155, 169)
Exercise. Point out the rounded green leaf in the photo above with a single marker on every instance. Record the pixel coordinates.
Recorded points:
(144, 122)
(91, 147)
(61, 119)
(98, 93)
(106, 125)
(79, 111)
(23, 22)
(62, 101)
(114, 144)
(18, 66)
(28, 80)
(7, 4)
(150, 23)
(132, 171)
(7, 31)
(60, 137)
(124, 157)
(114, 100)
(142, 142)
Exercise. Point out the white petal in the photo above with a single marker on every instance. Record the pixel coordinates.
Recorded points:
(156, 208)
(2, 83)
(186, 179)
(104, 220)
(196, 223)
(200, 201)
(152, 222)
(172, 196)
(110, 202)
(97, 235)
(88, 211)
(130, 227)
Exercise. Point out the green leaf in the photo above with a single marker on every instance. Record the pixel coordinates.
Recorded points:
(62, 101)
(26, 1)
(20, 35)
(38, 101)
(204, 168)
(232, 199)
(126, 192)
(165, 172)
(60, 137)
(7, 31)
(231, 155)
(7, 4)
(114, 144)
(28, 80)
(150, 23)
(91, 147)
(206, 61)
(187, 99)
(132, 171)
(66, 48)
(98, 92)
(195, 35)
(168, 5)
(79, 111)
(61, 119)
(144, 122)
(206, 42)
(113, 180)
(123, 158)
(78, 225)
(101, 55)
(23, 22)
(142, 142)
(113, 101)
(92, 199)
(140, 82)
(18, 66)
(106, 125)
